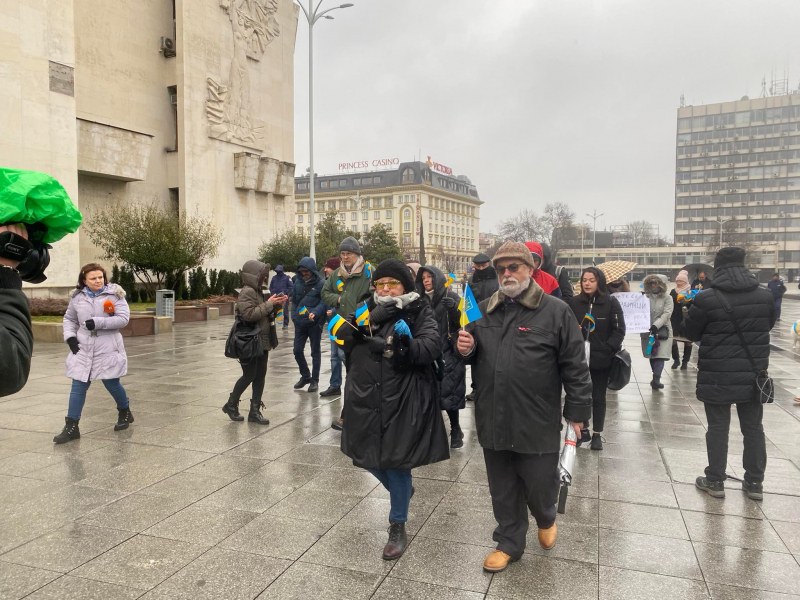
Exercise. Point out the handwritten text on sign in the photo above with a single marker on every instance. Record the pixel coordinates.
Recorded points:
(636, 309)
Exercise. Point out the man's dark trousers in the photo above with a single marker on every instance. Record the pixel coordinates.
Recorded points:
(520, 483)
(755, 450)
(303, 331)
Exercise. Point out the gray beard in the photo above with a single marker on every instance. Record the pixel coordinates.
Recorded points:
(515, 290)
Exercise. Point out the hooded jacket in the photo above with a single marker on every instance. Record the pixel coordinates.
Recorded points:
(251, 305)
(660, 316)
(308, 294)
(391, 417)
(483, 283)
(526, 349)
(560, 274)
(16, 336)
(545, 281)
(725, 374)
(281, 283)
(102, 353)
(606, 339)
(453, 384)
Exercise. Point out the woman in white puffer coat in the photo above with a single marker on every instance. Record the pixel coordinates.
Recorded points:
(96, 313)
(655, 288)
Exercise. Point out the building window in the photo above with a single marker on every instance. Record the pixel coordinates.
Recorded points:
(407, 226)
(376, 215)
(365, 203)
(299, 218)
(364, 215)
(388, 226)
(407, 213)
(353, 216)
(408, 175)
(365, 228)
(388, 214)
(323, 184)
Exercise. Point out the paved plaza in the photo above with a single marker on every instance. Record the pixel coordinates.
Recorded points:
(187, 504)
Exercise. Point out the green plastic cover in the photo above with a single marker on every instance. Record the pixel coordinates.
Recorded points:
(32, 197)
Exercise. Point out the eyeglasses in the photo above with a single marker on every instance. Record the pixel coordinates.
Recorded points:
(391, 284)
(512, 268)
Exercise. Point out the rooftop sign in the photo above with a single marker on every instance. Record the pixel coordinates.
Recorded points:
(366, 164)
(439, 168)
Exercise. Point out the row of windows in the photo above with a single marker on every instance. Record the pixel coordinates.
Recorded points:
(758, 172)
(463, 212)
(727, 211)
(776, 225)
(779, 156)
(740, 146)
(752, 197)
(734, 186)
(741, 118)
(701, 137)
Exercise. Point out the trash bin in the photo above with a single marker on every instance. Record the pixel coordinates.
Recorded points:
(165, 304)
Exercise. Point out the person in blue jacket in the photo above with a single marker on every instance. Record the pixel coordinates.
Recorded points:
(308, 315)
(280, 284)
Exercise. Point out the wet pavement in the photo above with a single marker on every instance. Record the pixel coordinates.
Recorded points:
(187, 504)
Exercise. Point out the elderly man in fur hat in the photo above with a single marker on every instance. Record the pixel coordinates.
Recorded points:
(523, 349)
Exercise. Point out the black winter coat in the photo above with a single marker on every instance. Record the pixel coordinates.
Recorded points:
(525, 350)
(606, 340)
(677, 317)
(392, 418)
(483, 283)
(453, 384)
(16, 337)
(725, 375)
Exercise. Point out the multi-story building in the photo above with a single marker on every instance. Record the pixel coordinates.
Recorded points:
(737, 176)
(185, 104)
(412, 196)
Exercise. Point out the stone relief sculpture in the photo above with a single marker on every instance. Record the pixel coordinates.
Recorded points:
(228, 105)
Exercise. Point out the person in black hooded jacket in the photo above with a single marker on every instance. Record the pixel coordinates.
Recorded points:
(392, 422)
(308, 316)
(725, 374)
(605, 332)
(444, 301)
(560, 273)
(483, 282)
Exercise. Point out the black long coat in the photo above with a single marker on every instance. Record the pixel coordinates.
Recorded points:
(606, 340)
(724, 373)
(483, 283)
(454, 384)
(391, 417)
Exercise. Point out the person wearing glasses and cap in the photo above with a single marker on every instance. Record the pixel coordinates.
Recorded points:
(392, 422)
(523, 349)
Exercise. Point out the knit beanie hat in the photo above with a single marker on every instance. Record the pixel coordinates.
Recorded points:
(515, 250)
(733, 255)
(397, 269)
(333, 263)
(480, 259)
(682, 276)
(350, 244)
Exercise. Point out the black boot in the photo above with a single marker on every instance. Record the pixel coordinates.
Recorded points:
(231, 409)
(314, 387)
(303, 382)
(125, 417)
(255, 413)
(456, 437)
(676, 363)
(656, 383)
(597, 441)
(70, 431)
(687, 355)
(396, 545)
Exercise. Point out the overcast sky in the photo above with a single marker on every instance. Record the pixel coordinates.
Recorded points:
(535, 100)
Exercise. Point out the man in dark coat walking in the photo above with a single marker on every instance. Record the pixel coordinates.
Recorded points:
(778, 289)
(308, 314)
(524, 348)
(726, 374)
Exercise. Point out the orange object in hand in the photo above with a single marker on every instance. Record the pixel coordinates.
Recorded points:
(108, 307)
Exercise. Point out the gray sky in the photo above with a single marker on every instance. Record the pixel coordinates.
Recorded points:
(535, 100)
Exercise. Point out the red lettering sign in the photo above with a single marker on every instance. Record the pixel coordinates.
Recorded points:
(438, 167)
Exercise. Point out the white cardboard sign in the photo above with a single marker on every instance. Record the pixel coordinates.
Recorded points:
(636, 309)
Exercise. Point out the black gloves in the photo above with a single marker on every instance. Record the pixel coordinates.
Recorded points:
(448, 302)
(73, 344)
(383, 313)
(89, 324)
(376, 344)
(653, 330)
(402, 351)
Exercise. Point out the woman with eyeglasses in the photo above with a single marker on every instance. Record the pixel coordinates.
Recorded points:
(603, 325)
(392, 422)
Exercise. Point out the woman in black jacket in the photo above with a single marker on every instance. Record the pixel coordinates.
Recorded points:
(392, 422)
(444, 301)
(603, 324)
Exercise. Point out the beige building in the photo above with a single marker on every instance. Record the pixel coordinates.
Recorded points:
(411, 196)
(187, 104)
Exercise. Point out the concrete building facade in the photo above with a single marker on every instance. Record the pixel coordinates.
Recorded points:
(413, 195)
(738, 176)
(185, 104)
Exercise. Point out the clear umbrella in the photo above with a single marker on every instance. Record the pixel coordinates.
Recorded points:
(566, 466)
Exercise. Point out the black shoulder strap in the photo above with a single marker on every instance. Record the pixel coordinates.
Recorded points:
(724, 302)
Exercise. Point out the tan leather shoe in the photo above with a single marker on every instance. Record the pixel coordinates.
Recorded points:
(547, 537)
(496, 561)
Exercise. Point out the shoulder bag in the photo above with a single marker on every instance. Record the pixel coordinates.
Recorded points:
(244, 341)
(620, 373)
(763, 386)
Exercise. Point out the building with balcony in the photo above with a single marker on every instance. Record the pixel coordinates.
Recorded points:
(737, 176)
(413, 196)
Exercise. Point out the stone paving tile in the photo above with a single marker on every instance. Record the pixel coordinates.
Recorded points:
(304, 580)
(730, 530)
(543, 577)
(17, 581)
(186, 486)
(624, 584)
(576, 541)
(354, 548)
(789, 534)
(202, 524)
(727, 592)
(135, 512)
(642, 518)
(748, 568)
(323, 507)
(663, 556)
(276, 536)
(690, 498)
(393, 588)
(85, 589)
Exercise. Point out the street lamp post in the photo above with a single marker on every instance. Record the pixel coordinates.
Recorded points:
(782, 215)
(594, 216)
(313, 15)
(722, 222)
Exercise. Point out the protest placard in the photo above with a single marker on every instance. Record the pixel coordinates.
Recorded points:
(636, 308)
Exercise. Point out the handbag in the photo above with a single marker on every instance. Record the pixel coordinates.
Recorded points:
(244, 341)
(662, 333)
(619, 375)
(763, 386)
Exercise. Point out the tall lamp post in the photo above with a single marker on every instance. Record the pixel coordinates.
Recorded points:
(313, 14)
(722, 222)
(782, 215)
(594, 216)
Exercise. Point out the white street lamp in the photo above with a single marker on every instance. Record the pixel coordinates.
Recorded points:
(594, 216)
(313, 15)
(722, 222)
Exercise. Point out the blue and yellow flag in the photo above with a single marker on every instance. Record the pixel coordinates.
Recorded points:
(368, 270)
(468, 307)
(335, 322)
(449, 280)
(362, 315)
(339, 285)
(303, 311)
(279, 313)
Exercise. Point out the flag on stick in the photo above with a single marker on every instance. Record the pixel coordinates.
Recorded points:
(468, 307)
(450, 279)
(334, 324)
(303, 311)
(362, 315)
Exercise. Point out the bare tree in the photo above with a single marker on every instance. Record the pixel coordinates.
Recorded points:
(524, 227)
(557, 217)
(734, 233)
(529, 226)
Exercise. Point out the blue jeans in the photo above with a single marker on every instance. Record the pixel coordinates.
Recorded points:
(77, 396)
(337, 358)
(398, 482)
(304, 331)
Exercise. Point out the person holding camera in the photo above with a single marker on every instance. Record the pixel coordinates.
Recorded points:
(655, 288)
(16, 335)
(96, 313)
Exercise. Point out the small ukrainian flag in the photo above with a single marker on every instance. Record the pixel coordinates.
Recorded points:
(303, 311)
(339, 285)
(450, 279)
(469, 307)
(368, 270)
(334, 324)
(279, 313)
(362, 315)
